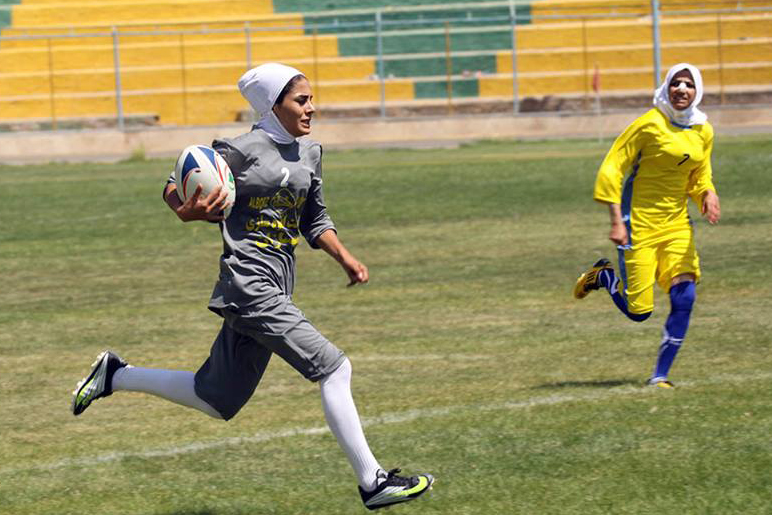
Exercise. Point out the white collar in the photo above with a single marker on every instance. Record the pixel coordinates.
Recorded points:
(274, 128)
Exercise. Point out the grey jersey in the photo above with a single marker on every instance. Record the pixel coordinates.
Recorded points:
(278, 198)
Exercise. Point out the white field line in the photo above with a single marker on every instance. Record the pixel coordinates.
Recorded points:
(388, 418)
(356, 358)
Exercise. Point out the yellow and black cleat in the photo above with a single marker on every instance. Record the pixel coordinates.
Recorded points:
(590, 280)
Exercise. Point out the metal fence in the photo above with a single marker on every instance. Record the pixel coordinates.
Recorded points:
(423, 60)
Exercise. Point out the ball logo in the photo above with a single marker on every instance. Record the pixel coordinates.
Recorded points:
(185, 181)
(200, 166)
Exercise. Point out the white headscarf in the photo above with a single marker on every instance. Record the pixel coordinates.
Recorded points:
(261, 86)
(689, 116)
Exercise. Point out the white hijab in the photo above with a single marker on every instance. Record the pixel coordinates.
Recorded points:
(261, 86)
(689, 116)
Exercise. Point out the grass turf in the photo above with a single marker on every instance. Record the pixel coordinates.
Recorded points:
(471, 359)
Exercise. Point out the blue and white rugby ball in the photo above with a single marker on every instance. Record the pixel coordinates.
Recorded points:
(199, 164)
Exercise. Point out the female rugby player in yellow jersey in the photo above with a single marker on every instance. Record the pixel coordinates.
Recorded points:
(666, 154)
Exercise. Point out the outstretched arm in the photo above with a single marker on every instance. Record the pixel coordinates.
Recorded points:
(356, 271)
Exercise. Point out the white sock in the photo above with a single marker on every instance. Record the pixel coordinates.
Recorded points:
(343, 419)
(172, 385)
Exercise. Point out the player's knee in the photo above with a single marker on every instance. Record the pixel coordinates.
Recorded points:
(638, 317)
(682, 296)
(225, 402)
(341, 373)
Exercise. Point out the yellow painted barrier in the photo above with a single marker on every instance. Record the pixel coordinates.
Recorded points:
(89, 13)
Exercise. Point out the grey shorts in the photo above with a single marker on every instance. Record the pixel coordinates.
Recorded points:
(241, 352)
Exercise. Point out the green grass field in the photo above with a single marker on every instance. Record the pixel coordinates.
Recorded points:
(471, 359)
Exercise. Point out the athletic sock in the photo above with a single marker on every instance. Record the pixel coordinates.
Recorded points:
(667, 353)
(343, 419)
(682, 297)
(610, 281)
(173, 385)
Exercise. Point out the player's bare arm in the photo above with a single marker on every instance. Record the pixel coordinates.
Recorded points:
(356, 271)
(618, 231)
(208, 208)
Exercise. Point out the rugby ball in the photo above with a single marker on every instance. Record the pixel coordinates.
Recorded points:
(199, 164)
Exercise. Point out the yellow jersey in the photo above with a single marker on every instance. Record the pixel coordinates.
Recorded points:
(666, 164)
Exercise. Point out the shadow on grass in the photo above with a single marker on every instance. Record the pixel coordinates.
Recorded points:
(591, 384)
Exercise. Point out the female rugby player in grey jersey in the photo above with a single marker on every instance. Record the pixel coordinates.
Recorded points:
(278, 198)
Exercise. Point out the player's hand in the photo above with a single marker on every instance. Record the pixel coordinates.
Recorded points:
(209, 208)
(618, 234)
(356, 271)
(711, 209)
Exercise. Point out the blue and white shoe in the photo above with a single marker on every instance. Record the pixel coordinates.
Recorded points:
(98, 384)
(395, 489)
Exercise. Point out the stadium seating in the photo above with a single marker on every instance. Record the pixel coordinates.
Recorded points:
(38, 13)
(179, 60)
(622, 52)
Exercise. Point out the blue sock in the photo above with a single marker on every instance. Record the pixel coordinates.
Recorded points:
(610, 281)
(682, 297)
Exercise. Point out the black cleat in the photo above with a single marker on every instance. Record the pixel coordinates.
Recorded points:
(98, 383)
(395, 489)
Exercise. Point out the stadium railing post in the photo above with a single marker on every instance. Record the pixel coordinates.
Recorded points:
(656, 41)
(379, 51)
(720, 52)
(183, 70)
(118, 85)
(51, 85)
(448, 68)
(317, 79)
(513, 27)
(585, 66)
(248, 43)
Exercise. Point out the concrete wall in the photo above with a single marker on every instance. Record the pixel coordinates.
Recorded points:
(110, 145)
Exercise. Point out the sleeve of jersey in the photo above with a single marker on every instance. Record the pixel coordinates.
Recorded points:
(701, 178)
(232, 155)
(618, 161)
(315, 220)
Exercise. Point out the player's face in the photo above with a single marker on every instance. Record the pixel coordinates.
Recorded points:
(296, 109)
(681, 90)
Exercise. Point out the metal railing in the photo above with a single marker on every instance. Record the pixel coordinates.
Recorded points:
(438, 43)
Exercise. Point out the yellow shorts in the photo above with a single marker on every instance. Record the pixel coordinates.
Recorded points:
(658, 260)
